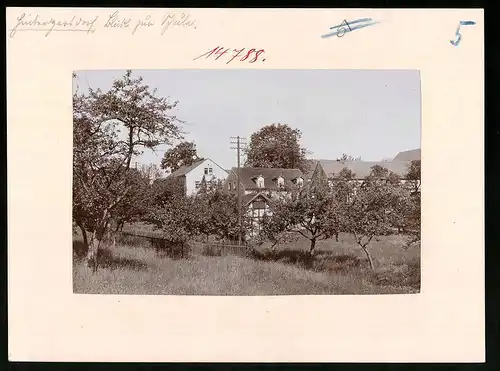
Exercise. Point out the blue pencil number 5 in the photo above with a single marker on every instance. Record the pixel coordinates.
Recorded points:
(457, 33)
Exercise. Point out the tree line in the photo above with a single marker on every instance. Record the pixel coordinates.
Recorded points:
(273, 146)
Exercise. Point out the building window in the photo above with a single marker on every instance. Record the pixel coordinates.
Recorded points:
(260, 182)
(280, 181)
(259, 205)
(258, 214)
(210, 171)
(197, 184)
(206, 171)
(230, 186)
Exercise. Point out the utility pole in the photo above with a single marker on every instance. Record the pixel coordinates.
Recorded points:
(238, 141)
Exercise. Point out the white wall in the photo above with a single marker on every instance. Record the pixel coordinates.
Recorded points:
(197, 174)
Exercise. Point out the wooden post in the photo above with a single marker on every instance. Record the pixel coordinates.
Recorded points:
(239, 194)
(238, 142)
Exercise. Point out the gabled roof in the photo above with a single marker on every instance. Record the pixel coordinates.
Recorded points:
(183, 170)
(319, 176)
(410, 155)
(361, 169)
(248, 174)
(246, 199)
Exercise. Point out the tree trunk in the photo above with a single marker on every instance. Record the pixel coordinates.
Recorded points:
(368, 255)
(97, 237)
(93, 252)
(84, 235)
(313, 246)
(130, 146)
(273, 246)
(111, 238)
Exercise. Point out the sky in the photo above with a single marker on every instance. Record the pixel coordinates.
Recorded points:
(373, 114)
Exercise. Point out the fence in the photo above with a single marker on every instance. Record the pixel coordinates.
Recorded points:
(221, 249)
(163, 246)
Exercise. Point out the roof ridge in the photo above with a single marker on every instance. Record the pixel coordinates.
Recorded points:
(265, 168)
(183, 168)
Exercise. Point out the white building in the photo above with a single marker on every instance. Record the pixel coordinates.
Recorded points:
(193, 174)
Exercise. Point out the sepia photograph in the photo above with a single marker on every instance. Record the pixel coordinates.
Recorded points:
(246, 182)
(244, 198)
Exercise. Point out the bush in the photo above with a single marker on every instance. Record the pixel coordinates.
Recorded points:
(174, 250)
(131, 240)
(211, 250)
(403, 274)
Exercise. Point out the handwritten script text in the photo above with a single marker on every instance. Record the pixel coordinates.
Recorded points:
(341, 29)
(27, 22)
(251, 55)
(458, 35)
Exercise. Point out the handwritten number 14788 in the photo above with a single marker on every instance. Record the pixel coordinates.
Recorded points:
(251, 55)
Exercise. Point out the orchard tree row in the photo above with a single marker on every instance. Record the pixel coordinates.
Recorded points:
(379, 205)
(110, 129)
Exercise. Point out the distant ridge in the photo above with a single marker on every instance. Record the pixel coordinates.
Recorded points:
(398, 165)
(411, 155)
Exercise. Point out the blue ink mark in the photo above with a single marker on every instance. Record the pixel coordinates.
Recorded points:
(457, 32)
(341, 30)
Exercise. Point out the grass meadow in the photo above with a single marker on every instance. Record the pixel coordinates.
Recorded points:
(133, 267)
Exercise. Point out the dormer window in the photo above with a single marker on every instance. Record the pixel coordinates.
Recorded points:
(280, 181)
(260, 181)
